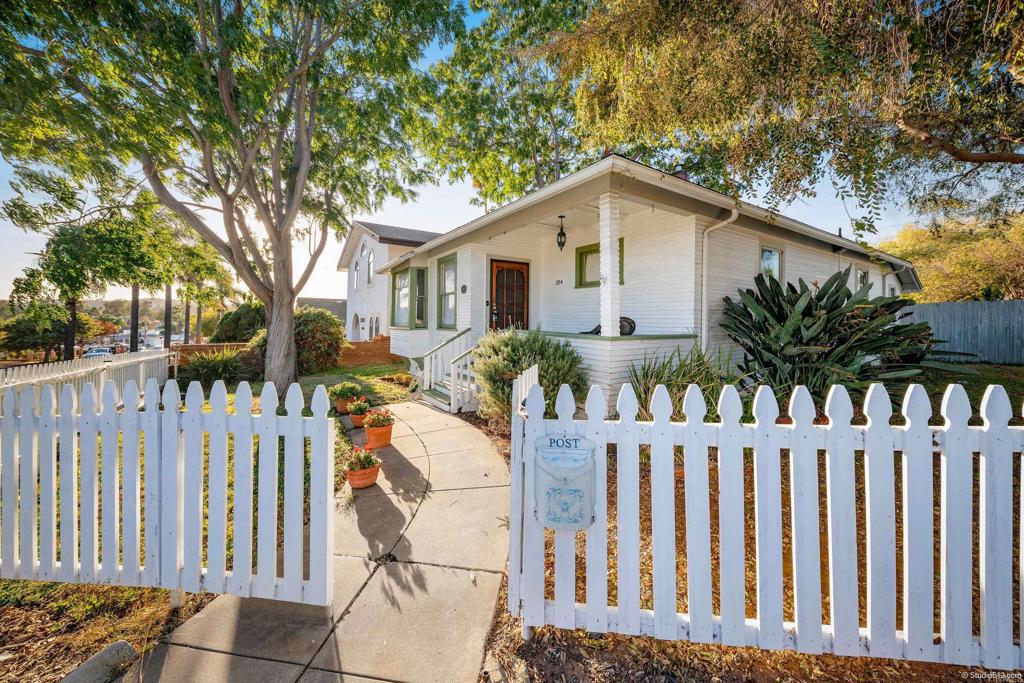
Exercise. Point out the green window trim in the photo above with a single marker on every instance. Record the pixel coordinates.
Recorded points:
(581, 254)
(442, 294)
(417, 295)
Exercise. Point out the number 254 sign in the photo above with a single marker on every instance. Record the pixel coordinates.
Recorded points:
(564, 481)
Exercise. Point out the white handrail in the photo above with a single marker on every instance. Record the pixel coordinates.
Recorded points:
(463, 386)
(438, 360)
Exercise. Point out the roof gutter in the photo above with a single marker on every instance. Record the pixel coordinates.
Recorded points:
(705, 306)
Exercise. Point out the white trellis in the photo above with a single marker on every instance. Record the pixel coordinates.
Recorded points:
(913, 445)
(91, 492)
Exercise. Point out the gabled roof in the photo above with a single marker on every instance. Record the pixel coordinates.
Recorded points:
(385, 234)
(904, 270)
(392, 234)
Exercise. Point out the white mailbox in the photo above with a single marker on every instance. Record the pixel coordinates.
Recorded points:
(564, 482)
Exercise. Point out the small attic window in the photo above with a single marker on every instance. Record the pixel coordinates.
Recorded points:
(362, 250)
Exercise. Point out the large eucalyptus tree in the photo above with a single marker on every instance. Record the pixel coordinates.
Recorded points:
(260, 123)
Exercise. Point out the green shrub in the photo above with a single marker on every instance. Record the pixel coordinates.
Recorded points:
(359, 407)
(795, 335)
(207, 368)
(319, 339)
(676, 370)
(345, 390)
(240, 324)
(501, 356)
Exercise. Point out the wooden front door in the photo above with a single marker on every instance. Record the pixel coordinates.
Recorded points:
(510, 295)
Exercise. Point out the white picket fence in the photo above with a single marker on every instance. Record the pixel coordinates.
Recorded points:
(90, 493)
(138, 366)
(913, 446)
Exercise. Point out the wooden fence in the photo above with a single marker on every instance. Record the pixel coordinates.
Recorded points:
(994, 330)
(138, 366)
(725, 446)
(94, 493)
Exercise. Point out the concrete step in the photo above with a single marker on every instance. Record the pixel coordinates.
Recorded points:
(437, 399)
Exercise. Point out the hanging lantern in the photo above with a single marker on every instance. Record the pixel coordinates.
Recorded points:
(560, 237)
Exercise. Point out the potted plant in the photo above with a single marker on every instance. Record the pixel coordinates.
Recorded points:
(362, 468)
(342, 393)
(378, 424)
(358, 410)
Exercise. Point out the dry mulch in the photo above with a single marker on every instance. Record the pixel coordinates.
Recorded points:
(48, 630)
(563, 655)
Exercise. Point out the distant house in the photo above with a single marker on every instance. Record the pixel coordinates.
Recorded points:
(615, 240)
(367, 247)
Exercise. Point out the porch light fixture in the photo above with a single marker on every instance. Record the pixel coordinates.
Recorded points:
(560, 237)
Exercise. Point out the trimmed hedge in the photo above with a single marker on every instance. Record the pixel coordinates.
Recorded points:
(240, 324)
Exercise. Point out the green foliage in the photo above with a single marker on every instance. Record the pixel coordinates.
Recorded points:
(345, 390)
(676, 370)
(206, 368)
(361, 459)
(889, 99)
(798, 336)
(240, 324)
(274, 119)
(502, 115)
(502, 355)
(40, 327)
(964, 260)
(319, 338)
(359, 407)
(378, 417)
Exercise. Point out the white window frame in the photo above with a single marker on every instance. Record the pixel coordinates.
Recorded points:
(857, 272)
(761, 247)
(369, 268)
(355, 277)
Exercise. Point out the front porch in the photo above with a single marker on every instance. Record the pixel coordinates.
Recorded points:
(583, 263)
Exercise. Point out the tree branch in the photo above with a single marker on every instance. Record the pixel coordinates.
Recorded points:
(967, 156)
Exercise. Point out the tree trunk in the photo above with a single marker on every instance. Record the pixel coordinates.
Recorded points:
(188, 322)
(133, 327)
(69, 330)
(280, 360)
(199, 322)
(167, 316)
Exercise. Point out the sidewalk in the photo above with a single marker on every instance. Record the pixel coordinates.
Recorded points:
(418, 561)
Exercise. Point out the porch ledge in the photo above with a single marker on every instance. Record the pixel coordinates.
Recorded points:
(632, 337)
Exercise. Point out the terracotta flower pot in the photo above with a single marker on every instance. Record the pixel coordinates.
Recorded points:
(378, 437)
(357, 420)
(341, 406)
(361, 479)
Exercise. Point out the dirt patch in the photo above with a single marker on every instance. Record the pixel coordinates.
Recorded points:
(47, 630)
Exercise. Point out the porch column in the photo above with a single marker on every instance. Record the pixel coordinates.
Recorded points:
(609, 241)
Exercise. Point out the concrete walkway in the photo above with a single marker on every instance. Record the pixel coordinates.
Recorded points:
(418, 560)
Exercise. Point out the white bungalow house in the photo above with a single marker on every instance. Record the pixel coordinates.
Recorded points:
(368, 246)
(617, 239)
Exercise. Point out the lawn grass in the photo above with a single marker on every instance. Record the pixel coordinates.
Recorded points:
(48, 629)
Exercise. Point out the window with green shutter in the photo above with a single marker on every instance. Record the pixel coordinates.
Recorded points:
(447, 281)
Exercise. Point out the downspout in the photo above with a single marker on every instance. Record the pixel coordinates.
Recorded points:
(704, 323)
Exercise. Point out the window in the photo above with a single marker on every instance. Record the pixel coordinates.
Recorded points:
(446, 283)
(409, 299)
(892, 290)
(419, 297)
(862, 277)
(771, 262)
(355, 276)
(588, 265)
(369, 269)
(362, 250)
(400, 299)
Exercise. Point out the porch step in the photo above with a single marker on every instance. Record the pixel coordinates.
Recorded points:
(437, 399)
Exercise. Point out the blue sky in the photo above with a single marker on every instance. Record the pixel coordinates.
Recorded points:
(439, 208)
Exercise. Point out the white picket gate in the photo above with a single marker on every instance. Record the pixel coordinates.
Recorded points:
(913, 445)
(90, 493)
